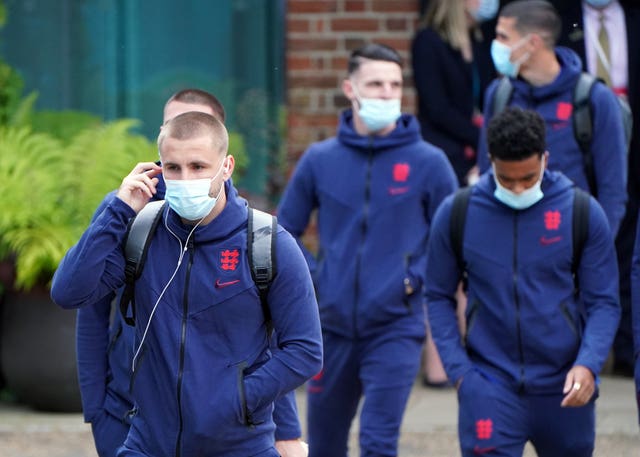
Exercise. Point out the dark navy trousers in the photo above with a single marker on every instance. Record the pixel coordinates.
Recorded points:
(381, 370)
(494, 420)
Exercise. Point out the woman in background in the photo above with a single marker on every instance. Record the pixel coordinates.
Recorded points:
(451, 68)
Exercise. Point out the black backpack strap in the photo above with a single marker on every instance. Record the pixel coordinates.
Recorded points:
(261, 230)
(139, 235)
(580, 228)
(583, 125)
(457, 223)
(502, 95)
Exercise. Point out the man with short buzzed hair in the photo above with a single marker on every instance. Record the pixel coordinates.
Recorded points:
(204, 210)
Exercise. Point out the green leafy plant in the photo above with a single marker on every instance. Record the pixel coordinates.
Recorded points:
(51, 189)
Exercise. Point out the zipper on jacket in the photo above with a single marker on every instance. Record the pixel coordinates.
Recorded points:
(363, 232)
(183, 337)
(517, 300)
(408, 289)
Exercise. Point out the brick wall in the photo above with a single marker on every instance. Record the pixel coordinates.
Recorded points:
(320, 36)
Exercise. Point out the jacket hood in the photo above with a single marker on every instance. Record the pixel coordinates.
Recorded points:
(553, 183)
(407, 131)
(570, 69)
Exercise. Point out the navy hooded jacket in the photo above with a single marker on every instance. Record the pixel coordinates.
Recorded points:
(205, 379)
(375, 197)
(104, 350)
(525, 326)
(554, 103)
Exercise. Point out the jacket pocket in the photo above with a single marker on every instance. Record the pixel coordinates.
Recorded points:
(247, 417)
(472, 313)
(573, 324)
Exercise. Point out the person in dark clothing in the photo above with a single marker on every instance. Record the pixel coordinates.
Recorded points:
(375, 186)
(544, 77)
(105, 343)
(537, 337)
(451, 69)
(580, 32)
(204, 377)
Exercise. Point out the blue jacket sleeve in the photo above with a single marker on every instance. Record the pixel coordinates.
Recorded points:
(92, 269)
(297, 203)
(285, 409)
(285, 416)
(635, 310)
(598, 285)
(635, 292)
(294, 311)
(443, 276)
(442, 184)
(92, 341)
(609, 152)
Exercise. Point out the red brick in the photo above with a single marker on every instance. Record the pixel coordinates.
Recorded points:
(353, 43)
(340, 63)
(311, 6)
(402, 45)
(312, 44)
(298, 62)
(298, 25)
(398, 24)
(317, 81)
(354, 24)
(354, 6)
(395, 6)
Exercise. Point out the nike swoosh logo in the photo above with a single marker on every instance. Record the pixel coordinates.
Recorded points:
(220, 284)
(547, 241)
(483, 450)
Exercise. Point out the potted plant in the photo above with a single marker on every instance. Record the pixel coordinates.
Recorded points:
(50, 189)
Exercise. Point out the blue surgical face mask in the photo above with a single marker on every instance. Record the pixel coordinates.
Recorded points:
(190, 197)
(501, 56)
(377, 113)
(598, 3)
(487, 10)
(524, 199)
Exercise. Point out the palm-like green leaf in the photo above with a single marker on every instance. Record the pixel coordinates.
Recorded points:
(50, 189)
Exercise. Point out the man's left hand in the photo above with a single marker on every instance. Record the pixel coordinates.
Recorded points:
(292, 448)
(579, 387)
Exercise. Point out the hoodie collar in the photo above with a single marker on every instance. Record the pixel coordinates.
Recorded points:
(570, 69)
(553, 183)
(407, 131)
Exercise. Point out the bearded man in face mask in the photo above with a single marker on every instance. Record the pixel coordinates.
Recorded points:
(375, 186)
(543, 77)
(542, 289)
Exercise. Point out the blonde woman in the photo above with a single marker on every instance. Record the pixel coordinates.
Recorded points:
(451, 68)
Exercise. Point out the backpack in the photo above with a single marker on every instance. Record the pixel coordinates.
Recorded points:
(581, 116)
(261, 235)
(579, 228)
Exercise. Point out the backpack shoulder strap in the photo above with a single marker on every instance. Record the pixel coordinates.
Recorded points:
(583, 124)
(502, 95)
(139, 235)
(261, 234)
(580, 226)
(457, 223)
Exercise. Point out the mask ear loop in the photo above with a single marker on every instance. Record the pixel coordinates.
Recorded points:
(183, 250)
